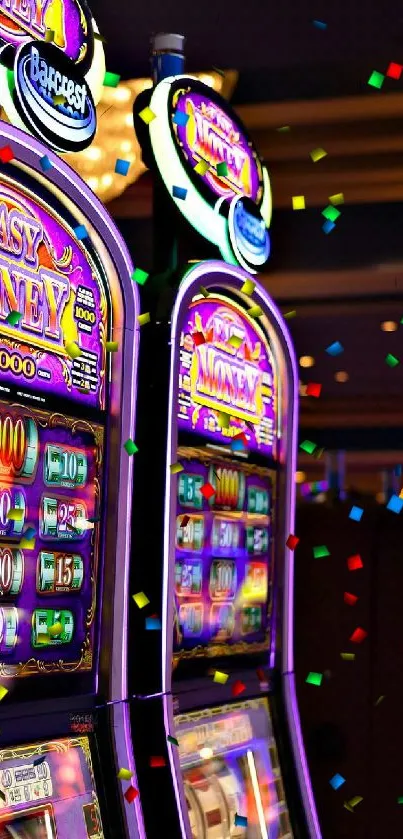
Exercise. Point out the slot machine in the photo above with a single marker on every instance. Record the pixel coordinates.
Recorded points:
(66, 408)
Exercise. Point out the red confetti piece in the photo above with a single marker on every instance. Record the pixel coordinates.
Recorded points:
(6, 154)
(260, 674)
(358, 635)
(238, 687)
(313, 389)
(394, 71)
(130, 794)
(242, 437)
(184, 521)
(350, 599)
(207, 491)
(355, 562)
(292, 542)
(157, 760)
(198, 338)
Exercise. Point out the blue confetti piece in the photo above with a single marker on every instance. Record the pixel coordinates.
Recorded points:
(319, 24)
(153, 623)
(395, 504)
(39, 760)
(335, 349)
(122, 166)
(337, 781)
(179, 192)
(81, 231)
(46, 163)
(180, 118)
(398, 471)
(29, 533)
(240, 821)
(356, 513)
(328, 226)
(237, 446)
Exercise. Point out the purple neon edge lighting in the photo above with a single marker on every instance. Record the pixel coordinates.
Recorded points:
(22, 23)
(211, 135)
(214, 273)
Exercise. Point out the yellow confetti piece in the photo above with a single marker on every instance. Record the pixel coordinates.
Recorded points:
(338, 198)
(55, 629)
(175, 468)
(49, 36)
(73, 350)
(235, 341)
(42, 638)
(147, 115)
(27, 544)
(298, 202)
(59, 99)
(3, 692)
(379, 700)
(202, 167)
(221, 678)
(355, 800)
(248, 287)
(111, 346)
(317, 154)
(284, 128)
(347, 656)
(291, 314)
(223, 420)
(204, 291)
(255, 312)
(143, 319)
(141, 599)
(125, 774)
(15, 514)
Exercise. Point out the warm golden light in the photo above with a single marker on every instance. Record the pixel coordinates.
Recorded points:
(122, 93)
(389, 326)
(126, 145)
(341, 376)
(306, 361)
(93, 153)
(206, 753)
(300, 477)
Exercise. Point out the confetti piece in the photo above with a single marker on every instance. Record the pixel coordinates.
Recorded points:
(319, 24)
(240, 821)
(202, 167)
(29, 533)
(391, 360)
(39, 760)
(237, 688)
(354, 801)
(144, 318)
(317, 154)
(356, 513)
(328, 226)
(350, 599)
(376, 79)
(248, 287)
(122, 166)
(314, 679)
(198, 338)
(184, 521)
(3, 692)
(73, 350)
(175, 468)
(111, 346)
(111, 79)
(400, 799)
(308, 446)
(59, 99)
(147, 115)
(6, 154)
(397, 471)
(220, 677)
(207, 491)
(130, 446)
(395, 504)
(237, 445)
(235, 341)
(13, 318)
(80, 231)
(255, 312)
(125, 774)
(223, 420)
(313, 389)
(355, 562)
(157, 760)
(379, 700)
(358, 635)
(130, 794)
(283, 128)
(291, 314)
(203, 291)
(46, 163)
(141, 599)
(139, 276)
(298, 202)
(338, 198)
(337, 781)
(331, 213)
(320, 550)
(347, 656)
(27, 544)
(394, 71)
(172, 740)
(55, 629)
(222, 169)
(98, 37)
(153, 623)
(292, 542)
(15, 514)
(180, 118)
(335, 349)
(179, 192)
(49, 36)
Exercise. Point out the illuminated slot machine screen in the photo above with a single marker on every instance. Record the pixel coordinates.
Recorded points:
(227, 402)
(47, 791)
(230, 767)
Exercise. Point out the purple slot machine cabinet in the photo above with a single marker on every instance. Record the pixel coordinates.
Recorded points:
(66, 408)
(226, 689)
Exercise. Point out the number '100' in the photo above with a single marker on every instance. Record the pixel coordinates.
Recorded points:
(18, 445)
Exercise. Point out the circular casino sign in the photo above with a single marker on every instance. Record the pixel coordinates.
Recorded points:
(212, 169)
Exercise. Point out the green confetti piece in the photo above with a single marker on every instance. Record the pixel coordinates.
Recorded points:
(320, 550)
(222, 169)
(308, 446)
(331, 213)
(172, 740)
(376, 79)
(139, 276)
(13, 318)
(400, 799)
(391, 360)
(111, 79)
(314, 679)
(130, 446)
(283, 129)
(291, 314)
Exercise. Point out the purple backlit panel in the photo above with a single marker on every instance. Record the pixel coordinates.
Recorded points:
(226, 376)
(223, 559)
(50, 486)
(47, 278)
(48, 791)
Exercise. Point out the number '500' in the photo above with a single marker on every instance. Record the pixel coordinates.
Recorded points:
(13, 362)
(18, 445)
